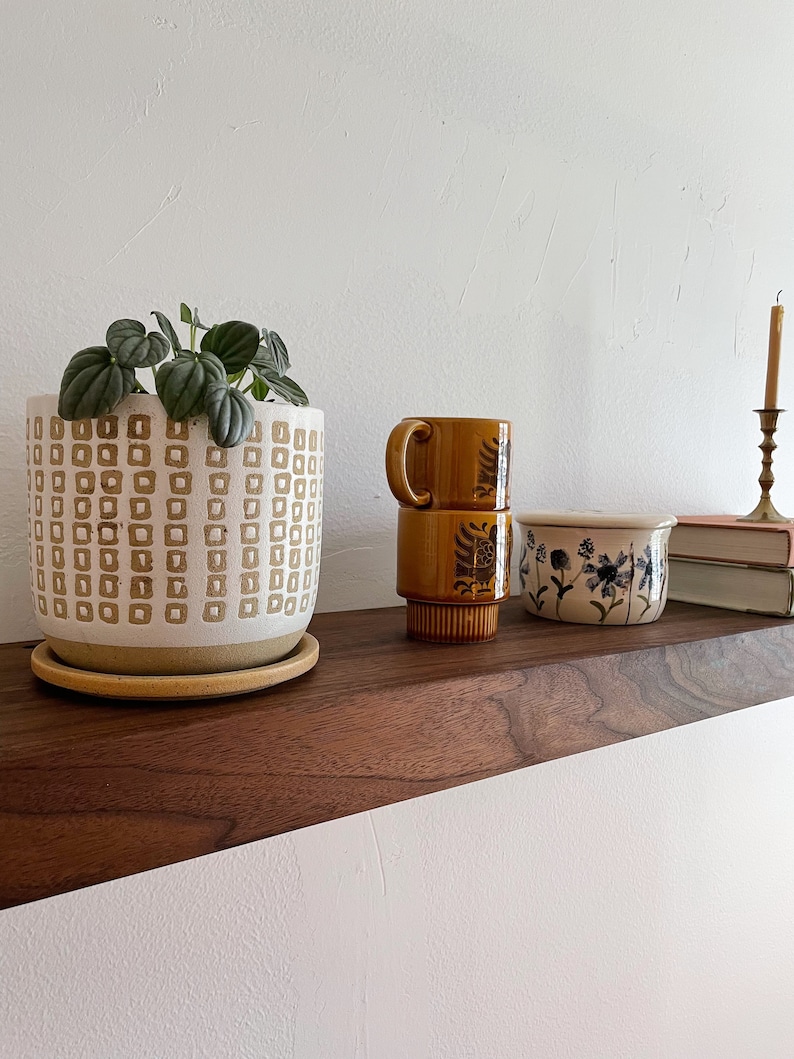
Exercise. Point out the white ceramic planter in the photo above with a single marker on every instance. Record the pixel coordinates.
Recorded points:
(154, 551)
(593, 567)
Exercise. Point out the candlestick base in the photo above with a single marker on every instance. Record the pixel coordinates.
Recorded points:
(765, 510)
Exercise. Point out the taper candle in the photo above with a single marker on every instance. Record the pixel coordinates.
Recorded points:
(773, 358)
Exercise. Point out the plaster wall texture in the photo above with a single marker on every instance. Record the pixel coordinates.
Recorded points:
(629, 904)
(573, 216)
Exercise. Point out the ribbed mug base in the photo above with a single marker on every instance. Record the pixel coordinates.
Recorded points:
(452, 622)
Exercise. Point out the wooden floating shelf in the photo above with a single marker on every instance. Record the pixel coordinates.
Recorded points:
(91, 791)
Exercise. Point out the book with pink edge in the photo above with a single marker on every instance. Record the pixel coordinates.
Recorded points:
(722, 538)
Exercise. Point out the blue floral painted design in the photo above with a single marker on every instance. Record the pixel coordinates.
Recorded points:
(653, 572)
(626, 581)
(608, 575)
(645, 563)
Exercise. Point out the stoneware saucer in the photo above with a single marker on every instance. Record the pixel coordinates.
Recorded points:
(46, 665)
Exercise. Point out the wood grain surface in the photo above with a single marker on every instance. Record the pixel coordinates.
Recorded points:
(92, 791)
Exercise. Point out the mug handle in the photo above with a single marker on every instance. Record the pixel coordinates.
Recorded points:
(396, 451)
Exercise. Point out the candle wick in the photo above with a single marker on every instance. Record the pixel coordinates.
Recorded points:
(778, 296)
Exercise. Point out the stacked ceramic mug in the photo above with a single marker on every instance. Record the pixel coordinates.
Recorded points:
(454, 537)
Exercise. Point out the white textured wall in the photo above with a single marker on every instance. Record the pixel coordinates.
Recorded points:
(633, 903)
(573, 215)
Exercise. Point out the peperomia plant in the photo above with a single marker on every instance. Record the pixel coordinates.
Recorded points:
(234, 359)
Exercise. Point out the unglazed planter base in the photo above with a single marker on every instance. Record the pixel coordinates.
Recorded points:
(594, 567)
(154, 551)
(160, 661)
(187, 686)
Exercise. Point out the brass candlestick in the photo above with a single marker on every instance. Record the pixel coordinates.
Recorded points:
(765, 510)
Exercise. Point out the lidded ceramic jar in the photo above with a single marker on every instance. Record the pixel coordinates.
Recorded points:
(594, 567)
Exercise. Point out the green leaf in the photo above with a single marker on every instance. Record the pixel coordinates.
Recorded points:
(182, 383)
(234, 342)
(93, 384)
(278, 351)
(601, 610)
(289, 390)
(259, 389)
(263, 361)
(231, 416)
(170, 333)
(198, 322)
(132, 347)
(284, 387)
(188, 317)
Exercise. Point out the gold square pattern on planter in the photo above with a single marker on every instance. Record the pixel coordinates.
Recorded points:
(152, 550)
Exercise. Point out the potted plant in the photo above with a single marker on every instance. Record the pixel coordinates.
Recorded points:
(179, 531)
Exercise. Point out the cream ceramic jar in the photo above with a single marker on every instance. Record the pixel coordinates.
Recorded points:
(154, 551)
(594, 567)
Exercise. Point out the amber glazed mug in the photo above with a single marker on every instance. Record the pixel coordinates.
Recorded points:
(450, 463)
(453, 567)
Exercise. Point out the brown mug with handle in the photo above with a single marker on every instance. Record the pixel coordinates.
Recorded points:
(452, 479)
(450, 463)
(453, 567)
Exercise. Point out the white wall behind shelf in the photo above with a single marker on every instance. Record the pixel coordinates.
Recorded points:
(575, 217)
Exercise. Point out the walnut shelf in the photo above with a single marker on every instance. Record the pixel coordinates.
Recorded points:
(91, 792)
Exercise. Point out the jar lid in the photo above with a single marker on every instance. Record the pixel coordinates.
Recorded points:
(596, 519)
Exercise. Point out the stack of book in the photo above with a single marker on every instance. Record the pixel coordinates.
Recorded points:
(719, 562)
